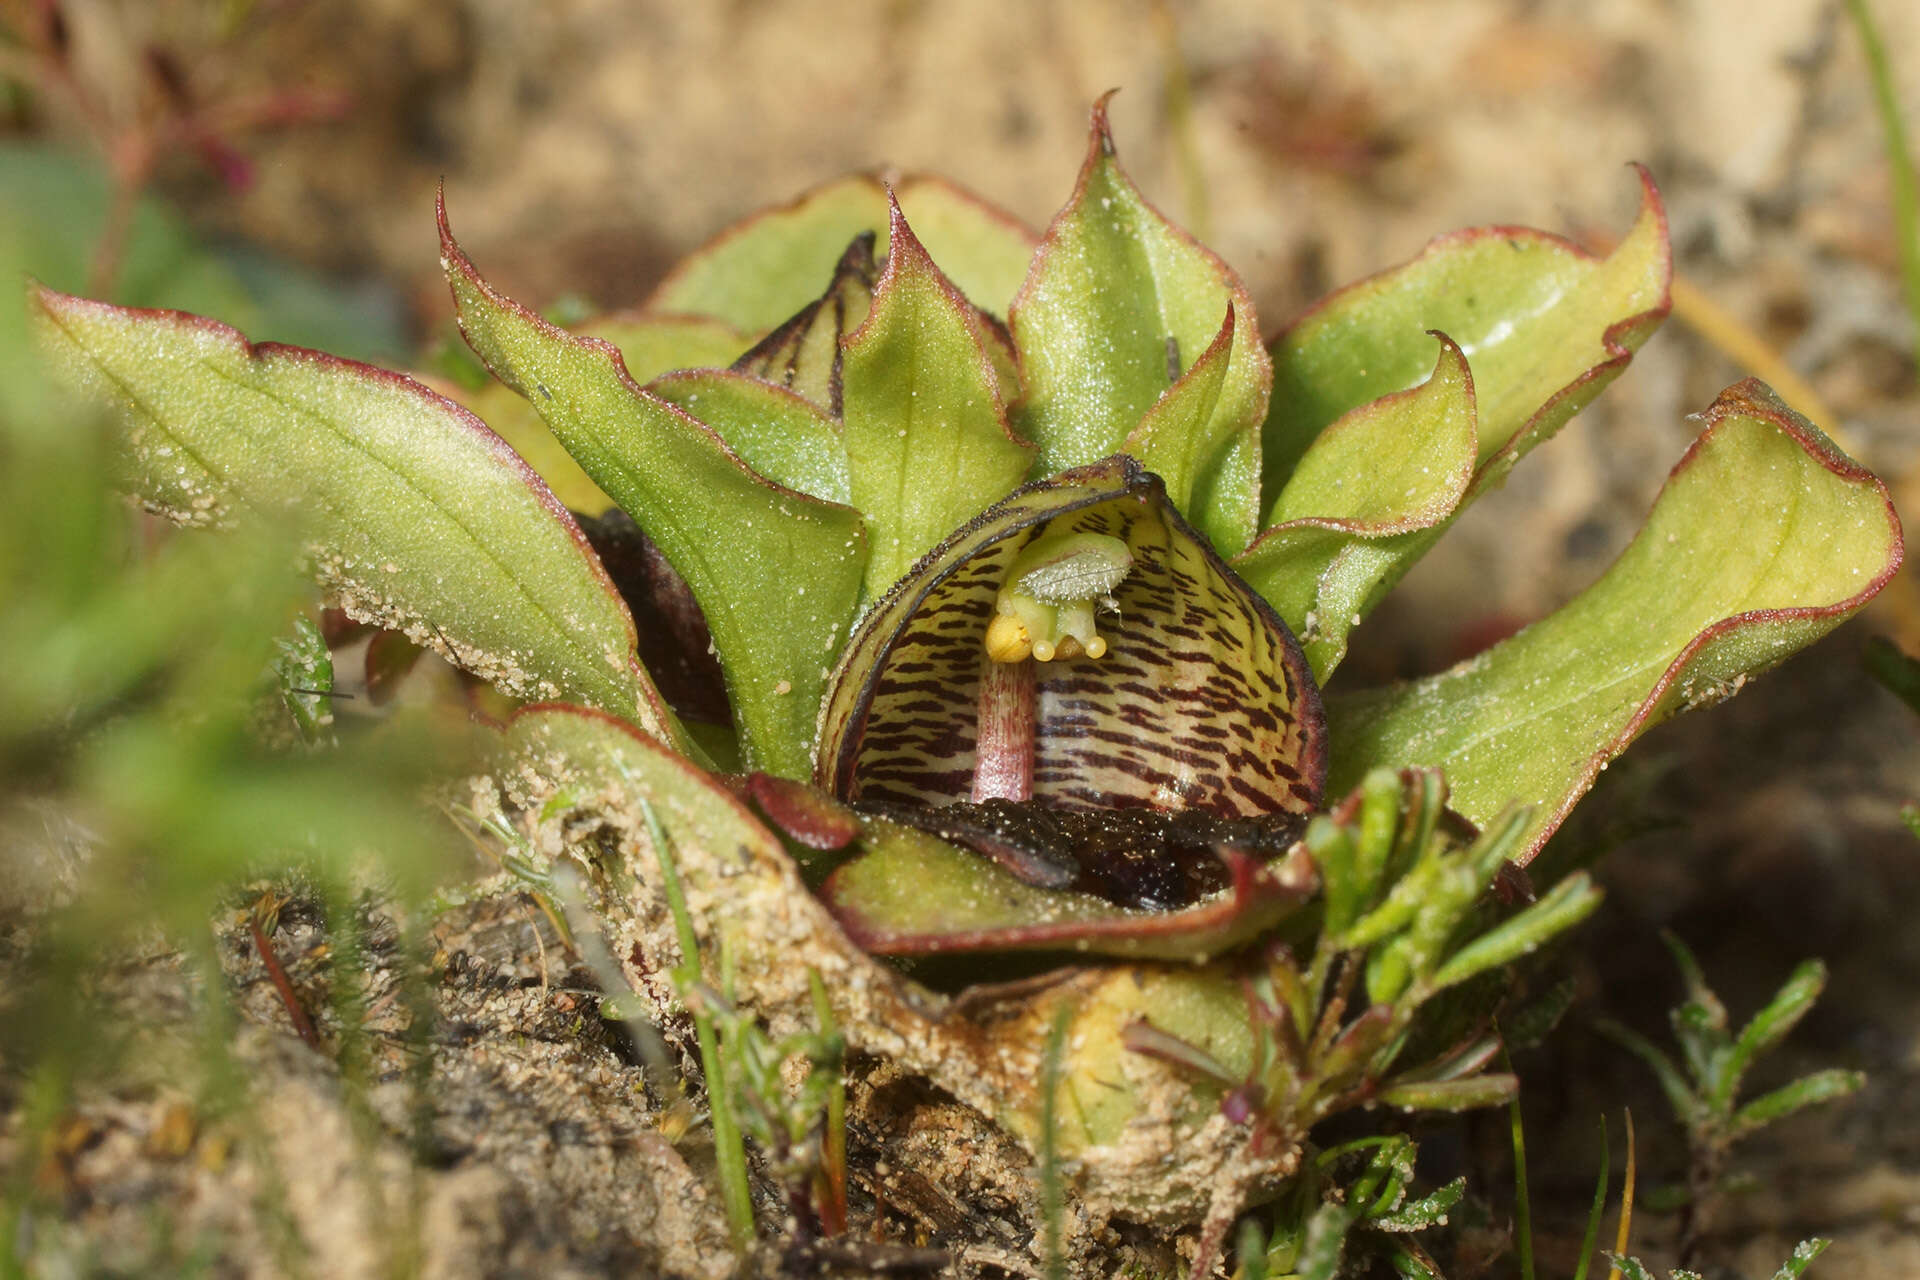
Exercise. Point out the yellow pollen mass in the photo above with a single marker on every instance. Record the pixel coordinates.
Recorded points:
(1045, 608)
(1007, 639)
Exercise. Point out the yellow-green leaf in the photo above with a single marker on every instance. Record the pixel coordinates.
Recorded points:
(421, 519)
(650, 344)
(777, 432)
(927, 442)
(1119, 304)
(1765, 538)
(777, 573)
(1351, 511)
(1545, 325)
(1210, 461)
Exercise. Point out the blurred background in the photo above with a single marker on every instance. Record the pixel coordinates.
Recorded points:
(273, 163)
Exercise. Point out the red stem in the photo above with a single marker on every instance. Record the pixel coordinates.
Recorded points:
(1003, 753)
(284, 985)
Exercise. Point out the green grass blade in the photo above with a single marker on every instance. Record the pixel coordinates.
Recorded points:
(729, 1148)
(1906, 199)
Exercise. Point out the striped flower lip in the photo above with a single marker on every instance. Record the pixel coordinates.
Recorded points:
(1121, 734)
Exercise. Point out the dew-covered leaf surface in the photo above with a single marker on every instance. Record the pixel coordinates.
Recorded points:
(1348, 516)
(927, 442)
(1765, 538)
(776, 572)
(649, 344)
(1119, 305)
(420, 518)
(779, 434)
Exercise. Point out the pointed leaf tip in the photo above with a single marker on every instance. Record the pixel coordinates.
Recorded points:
(1370, 494)
(1117, 306)
(921, 399)
(727, 531)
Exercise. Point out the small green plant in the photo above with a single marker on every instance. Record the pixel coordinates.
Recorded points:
(1404, 918)
(991, 595)
(1351, 1204)
(1703, 1087)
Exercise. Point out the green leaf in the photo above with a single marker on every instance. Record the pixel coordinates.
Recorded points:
(1695, 980)
(1346, 526)
(736, 538)
(1545, 325)
(1807, 1091)
(1897, 672)
(1702, 1047)
(1530, 1025)
(1429, 1211)
(909, 893)
(1803, 1255)
(1565, 905)
(650, 345)
(420, 518)
(1326, 1240)
(776, 432)
(1592, 1233)
(1183, 431)
(1409, 1267)
(927, 442)
(1688, 1108)
(1765, 538)
(303, 672)
(761, 271)
(1631, 1268)
(1468, 1094)
(1119, 304)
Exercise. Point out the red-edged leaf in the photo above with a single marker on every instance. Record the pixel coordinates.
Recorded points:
(927, 442)
(910, 893)
(1765, 538)
(738, 539)
(1119, 304)
(420, 518)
